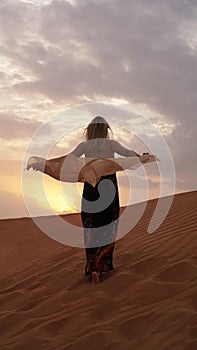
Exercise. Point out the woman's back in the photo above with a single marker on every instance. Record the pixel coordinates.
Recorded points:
(98, 148)
(102, 148)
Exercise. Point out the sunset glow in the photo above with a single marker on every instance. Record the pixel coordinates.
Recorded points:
(59, 68)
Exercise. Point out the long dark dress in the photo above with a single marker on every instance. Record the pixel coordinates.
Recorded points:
(100, 221)
(100, 225)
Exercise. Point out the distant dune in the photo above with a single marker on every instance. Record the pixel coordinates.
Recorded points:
(148, 303)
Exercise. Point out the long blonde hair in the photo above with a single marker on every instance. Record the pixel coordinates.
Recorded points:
(98, 128)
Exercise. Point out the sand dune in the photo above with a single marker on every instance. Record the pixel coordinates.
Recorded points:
(148, 302)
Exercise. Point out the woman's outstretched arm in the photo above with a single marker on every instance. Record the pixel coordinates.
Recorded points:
(123, 151)
(79, 150)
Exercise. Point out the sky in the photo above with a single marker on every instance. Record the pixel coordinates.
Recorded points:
(64, 62)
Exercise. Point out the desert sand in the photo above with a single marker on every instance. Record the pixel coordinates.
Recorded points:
(148, 302)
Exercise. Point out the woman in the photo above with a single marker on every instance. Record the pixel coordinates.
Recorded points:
(100, 213)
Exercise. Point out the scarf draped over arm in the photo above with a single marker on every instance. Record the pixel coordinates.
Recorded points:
(70, 168)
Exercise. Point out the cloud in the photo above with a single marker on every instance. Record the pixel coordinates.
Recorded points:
(135, 54)
(138, 182)
(144, 52)
(13, 127)
(13, 206)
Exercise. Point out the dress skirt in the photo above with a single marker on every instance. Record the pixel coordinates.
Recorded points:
(99, 213)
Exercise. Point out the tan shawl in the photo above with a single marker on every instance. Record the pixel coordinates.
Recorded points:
(70, 168)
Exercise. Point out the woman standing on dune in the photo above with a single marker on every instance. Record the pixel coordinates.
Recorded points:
(100, 204)
(100, 199)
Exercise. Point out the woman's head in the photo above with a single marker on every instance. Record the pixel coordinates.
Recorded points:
(97, 128)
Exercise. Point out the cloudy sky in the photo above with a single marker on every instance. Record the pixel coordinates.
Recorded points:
(63, 62)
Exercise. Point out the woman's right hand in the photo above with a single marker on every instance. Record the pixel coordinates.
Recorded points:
(146, 158)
